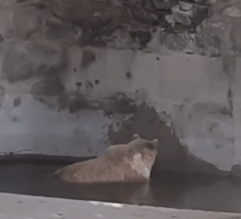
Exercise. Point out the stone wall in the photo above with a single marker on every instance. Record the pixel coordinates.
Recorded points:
(79, 75)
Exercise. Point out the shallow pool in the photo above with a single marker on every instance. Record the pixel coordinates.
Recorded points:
(166, 189)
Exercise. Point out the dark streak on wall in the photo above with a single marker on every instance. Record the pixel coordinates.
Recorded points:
(172, 154)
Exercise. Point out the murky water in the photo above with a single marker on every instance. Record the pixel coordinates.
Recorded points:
(166, 190)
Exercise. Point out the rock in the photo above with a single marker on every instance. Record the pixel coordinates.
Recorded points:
(232, 11)
(200, 14)
(149, 6)
(116, 2)
(209, 43)
(141, 15)
(183, 19)
(162, 4)
(203, 2)
(217, 6)
(188, 14)
(121, 39)
(103, 1)
(141, 37)
(17, 66)
(92, 32)
(186, 7)
(77, 11)
(138, 3)
(170, 19)
(183, 12)
(174, 41)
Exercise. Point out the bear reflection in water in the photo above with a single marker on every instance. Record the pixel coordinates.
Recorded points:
(129, 193)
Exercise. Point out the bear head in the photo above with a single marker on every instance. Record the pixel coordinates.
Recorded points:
(147, 150)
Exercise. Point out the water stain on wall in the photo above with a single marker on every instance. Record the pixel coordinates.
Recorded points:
(2, 95)
(51, 86)
(17, 101)
(17, 66)
(172, 154)
(87, 58)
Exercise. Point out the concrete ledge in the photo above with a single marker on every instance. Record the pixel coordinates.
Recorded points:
(22, 207)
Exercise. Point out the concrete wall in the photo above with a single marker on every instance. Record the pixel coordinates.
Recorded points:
(80, 75)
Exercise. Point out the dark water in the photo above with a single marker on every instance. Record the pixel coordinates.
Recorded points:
(166, 189)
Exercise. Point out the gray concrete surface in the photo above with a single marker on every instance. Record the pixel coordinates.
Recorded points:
(26, 207)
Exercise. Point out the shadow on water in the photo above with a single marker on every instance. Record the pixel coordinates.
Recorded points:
(173, 190)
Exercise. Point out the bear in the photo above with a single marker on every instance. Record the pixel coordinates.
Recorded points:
(131, 162)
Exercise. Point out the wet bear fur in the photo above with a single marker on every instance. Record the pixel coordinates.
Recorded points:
(131, 162)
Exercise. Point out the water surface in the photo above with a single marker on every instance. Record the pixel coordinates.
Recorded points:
(165, 190)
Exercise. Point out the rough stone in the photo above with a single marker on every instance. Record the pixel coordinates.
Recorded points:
(183, 13)
(98, 25)
(141, 15)
(200, 14)
(141, 37)
(92, 32)
(182, 19)
(203, 2)
(209, 44)
(162, 5)
(232, 11)
(17, 66)
(173, 41)
(138, 3)
(71, 11)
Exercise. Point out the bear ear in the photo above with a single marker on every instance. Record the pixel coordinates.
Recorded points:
(155, 142)
(135, 136)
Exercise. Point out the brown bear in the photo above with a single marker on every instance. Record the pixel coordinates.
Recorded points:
(131, 162)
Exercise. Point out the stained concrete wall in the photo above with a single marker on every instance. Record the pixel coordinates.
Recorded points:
(80, 75)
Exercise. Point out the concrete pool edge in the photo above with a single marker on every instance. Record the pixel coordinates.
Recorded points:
(32, 207)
